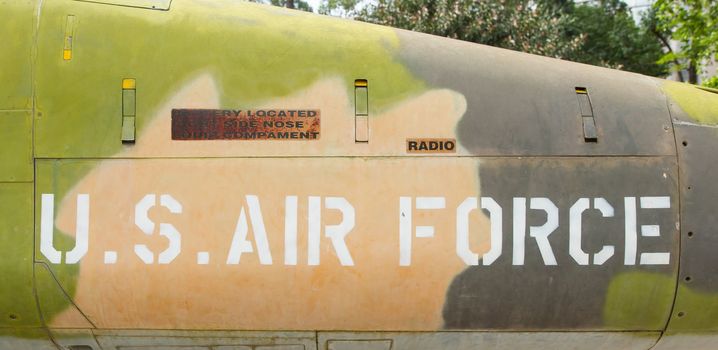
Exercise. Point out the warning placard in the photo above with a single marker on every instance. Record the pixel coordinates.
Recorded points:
(251, 124)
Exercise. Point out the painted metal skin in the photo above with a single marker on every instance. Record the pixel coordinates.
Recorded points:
(518, 128)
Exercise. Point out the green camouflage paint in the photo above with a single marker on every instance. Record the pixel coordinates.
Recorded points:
(699, 104)
(17, 304)
(638, 299)
(16, 27)
(18, 308)
(253, 56)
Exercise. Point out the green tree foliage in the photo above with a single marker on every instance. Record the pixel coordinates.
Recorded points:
(712, 82)
(614, 40)
(514, 24)
(601, 33)
(292, 4)
(694, 24)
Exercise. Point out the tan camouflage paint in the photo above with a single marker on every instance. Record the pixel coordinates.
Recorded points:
(441, 109)
(185, 295)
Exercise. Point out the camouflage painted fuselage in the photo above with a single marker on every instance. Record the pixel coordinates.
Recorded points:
(226, 175)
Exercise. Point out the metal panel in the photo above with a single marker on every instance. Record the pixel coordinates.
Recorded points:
(584, 103)
(361, 111)
(696, 306)
(51, 298)
(590, 133)
(17, 302)
(174, 347)
(519, 104)
(16, 149)
(128, 102)
(69, 38)
(494, 102)
(16, 28)
(129, 110)
(434, 287)
(361, 128)
(500, 340)
(75, 339)
(361, 100)
(80, 105)
(214, 340)
(534, 295)
(148, 4)
(25, 339)
(359, 344)
(689, 341)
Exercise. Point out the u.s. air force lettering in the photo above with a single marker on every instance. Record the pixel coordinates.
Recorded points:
(251, 213)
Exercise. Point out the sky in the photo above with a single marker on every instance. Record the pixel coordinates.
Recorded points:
(314, 4)
(638, 7)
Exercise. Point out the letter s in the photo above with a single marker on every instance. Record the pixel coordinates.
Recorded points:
(142, 221)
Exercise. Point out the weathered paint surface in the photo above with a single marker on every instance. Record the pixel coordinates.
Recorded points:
(489, 340)
(173, 176)
(25, 339)
(249, 295)
(257, 124)
(16, 153)
(148, 236)
(524, 105)
(695, 113)
(17, 304)
(253, 51)
(17, 23)
(492, 297)
(207, 340)
(697, 105)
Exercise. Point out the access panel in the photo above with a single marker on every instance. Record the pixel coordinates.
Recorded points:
(410, 244)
